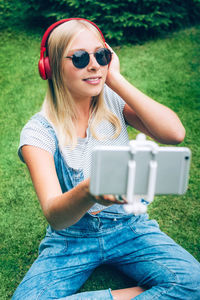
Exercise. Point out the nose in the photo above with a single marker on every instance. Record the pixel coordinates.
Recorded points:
(93, 64)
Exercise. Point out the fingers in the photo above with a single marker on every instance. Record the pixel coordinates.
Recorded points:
(113, 70)
(102, 201)
(110, 199)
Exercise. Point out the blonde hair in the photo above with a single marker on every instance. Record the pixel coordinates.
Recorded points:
(59, 104)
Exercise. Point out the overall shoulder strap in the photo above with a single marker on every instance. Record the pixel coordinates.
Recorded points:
(39, 117)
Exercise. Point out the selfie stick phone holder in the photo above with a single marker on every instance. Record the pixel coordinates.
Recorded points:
(136, 204)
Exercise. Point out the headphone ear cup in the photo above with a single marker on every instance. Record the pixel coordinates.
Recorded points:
(47, 67)
(44, 68)
(41, 68)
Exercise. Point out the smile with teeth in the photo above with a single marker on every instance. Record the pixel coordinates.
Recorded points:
(92, 80)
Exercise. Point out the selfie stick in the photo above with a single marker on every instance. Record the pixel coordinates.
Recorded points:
(136, 204)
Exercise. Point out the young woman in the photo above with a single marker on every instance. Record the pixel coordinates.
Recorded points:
(89, 103)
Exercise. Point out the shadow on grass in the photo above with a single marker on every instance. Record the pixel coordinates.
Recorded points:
(105, 277)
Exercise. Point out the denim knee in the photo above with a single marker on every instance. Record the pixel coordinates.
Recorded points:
(186, 285)
(94, 295)
(182, 283)
(192, 282)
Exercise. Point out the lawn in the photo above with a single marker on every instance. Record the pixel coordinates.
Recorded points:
(166, 69)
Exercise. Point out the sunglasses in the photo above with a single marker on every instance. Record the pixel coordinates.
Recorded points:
(81, 58)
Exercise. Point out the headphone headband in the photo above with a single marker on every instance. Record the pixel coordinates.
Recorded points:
(44, 65)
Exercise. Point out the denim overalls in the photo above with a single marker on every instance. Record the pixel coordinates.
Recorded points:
(133, 244)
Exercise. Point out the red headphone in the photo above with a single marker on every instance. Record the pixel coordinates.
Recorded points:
(43, 64)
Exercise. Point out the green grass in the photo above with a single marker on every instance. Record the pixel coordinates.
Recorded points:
(167, 70)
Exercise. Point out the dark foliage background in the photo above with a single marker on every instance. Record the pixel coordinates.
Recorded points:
(121, 21)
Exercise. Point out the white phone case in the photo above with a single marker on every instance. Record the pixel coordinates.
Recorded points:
(109, 170)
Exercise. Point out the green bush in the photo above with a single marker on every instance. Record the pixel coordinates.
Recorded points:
(121, 21)
(12, 12)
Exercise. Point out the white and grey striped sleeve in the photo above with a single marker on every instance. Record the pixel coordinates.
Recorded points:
(35, 134)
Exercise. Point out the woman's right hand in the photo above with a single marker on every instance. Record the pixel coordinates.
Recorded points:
(105, 200)
(60, 209)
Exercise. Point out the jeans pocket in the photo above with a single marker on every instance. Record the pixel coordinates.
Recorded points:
(143, 225)
(51, 246)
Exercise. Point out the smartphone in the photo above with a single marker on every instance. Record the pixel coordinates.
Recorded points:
(109, 170)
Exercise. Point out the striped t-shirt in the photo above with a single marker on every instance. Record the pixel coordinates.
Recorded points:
(35, 134)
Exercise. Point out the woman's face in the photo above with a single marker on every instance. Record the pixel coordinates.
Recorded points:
(89, 81)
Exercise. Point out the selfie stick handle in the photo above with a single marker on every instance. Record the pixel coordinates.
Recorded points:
(135, 204)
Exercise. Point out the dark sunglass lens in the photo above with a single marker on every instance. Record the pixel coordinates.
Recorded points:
(103, 56)
(80, 59)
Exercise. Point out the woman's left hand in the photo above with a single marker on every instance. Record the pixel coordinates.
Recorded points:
(113, 68)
